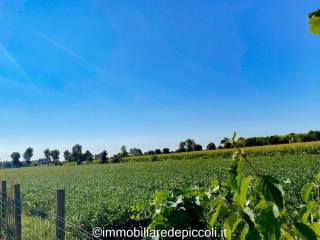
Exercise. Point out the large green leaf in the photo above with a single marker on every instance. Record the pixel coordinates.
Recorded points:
(310, 206)
(248, 216)
(316, 228)
(268, 224)
(234, 174)
(250, 234)
(217, 205)
(304, 232)
(268, 188)
(229, 225)
(244, 186)
(306, 190)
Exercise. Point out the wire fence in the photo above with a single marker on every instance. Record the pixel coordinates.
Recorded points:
(18, 221)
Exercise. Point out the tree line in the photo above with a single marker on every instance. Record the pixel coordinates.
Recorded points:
(79, 156)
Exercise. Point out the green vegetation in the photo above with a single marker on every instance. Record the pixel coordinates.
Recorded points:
(246, 207)
(109, 194)
(78, 156)
(269, 150)
(314, 21)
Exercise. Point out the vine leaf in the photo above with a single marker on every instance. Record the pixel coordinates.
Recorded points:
(306, 190)
(304, 231)
(218, 205)
(268, 224)
(268, 188)
(316, 228)
(234, 174)
(244, 186)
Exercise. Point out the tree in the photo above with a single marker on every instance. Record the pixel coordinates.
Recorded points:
(27, 155)
(197, 147)
(76, 154)
(165, 150)
(189, 144)
(47, 155)
(67, 155)
(124, 152)
(88, 156)
(151, 152)
(55, 156)
(314, 21)
(103, 157)
(116, 158)
(135, 151)
(15, 159)
(225, 143)
(211, 146)
(157, 151)
(314, 135)
(272, 140)
(182, 147)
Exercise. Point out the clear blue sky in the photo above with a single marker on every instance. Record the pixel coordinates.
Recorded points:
(151, 73)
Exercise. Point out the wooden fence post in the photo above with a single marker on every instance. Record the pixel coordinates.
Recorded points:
(60, 224)
(17, 212)
(3, 203)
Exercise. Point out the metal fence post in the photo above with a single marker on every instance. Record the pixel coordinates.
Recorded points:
(3, 203)
(60, 224)
(17, 212)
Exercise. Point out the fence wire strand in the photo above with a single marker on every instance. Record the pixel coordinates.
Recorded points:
(34, 226)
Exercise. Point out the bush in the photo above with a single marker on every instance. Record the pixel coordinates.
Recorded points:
(154, 158)
(116, 158)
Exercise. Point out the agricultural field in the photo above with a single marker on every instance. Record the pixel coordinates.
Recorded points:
(108, 194)
(266, 150)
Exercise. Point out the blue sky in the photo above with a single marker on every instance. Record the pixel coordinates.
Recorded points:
(151, 73)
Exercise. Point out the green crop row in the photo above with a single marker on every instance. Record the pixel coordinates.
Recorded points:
(268, 150)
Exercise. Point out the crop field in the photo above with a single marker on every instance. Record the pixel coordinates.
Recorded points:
(107, 194)
(266, 150)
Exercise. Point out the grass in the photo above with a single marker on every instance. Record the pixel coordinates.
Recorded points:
(106, 194)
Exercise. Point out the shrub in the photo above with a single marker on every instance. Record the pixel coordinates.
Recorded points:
(154, 158)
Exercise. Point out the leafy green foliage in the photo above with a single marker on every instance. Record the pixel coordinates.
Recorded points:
(108, 195)
(260, 151)
(267, 187)
(251, 207)
(27, 155)
(314, 21)
(15, 159)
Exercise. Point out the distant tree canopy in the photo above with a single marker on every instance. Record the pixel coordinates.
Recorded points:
(274, 139)
(104, 157)
(211, 146)
(188, 146)
(225, 143)
(15, 159)
(88, 156)
(47, 155)
(67, 155)
(76, 154)
(27, 155)
(314, 21)
(124, 152)
(165, 150)
(55, 155)
(135, 152)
